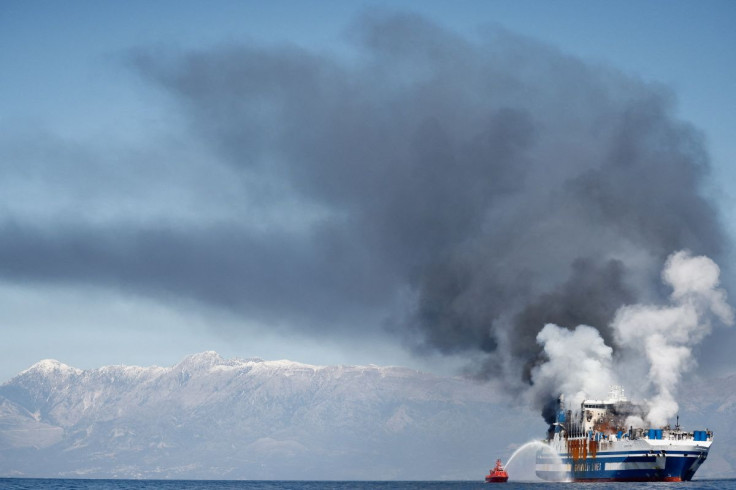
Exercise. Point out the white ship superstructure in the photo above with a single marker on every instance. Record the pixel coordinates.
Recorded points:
(601, 442)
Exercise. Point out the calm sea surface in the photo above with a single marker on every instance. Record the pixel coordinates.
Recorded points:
(59, 484)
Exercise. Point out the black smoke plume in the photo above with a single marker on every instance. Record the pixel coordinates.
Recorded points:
(504, 184)
(460, 193)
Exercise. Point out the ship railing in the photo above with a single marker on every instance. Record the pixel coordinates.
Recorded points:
(672, 435)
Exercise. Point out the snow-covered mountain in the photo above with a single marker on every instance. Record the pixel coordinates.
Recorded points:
(209, 417)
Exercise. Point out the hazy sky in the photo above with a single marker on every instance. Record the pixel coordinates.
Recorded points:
(230, 176)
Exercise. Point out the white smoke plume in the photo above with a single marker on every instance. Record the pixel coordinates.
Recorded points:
(666, 335)
(579, 364)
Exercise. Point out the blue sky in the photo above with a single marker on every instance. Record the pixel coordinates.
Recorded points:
(70, 97)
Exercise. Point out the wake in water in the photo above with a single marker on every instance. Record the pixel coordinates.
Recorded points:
(522, 463)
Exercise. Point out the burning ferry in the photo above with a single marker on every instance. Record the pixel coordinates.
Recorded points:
(595, 444)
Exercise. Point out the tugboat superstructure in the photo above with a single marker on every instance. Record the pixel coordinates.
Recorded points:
(600, 443)
(498, 474)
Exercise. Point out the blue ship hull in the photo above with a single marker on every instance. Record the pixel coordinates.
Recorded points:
(621, 466)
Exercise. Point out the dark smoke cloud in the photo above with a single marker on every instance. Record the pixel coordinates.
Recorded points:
(469, 192)
(590, 296)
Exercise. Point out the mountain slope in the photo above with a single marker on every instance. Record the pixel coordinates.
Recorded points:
(210, 417)
(215, 418)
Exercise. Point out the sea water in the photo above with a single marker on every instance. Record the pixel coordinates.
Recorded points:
(78, 484)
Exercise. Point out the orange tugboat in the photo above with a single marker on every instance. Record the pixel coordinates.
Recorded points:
(497, 474)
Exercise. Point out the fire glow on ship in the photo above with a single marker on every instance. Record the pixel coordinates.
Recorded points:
(595, 444)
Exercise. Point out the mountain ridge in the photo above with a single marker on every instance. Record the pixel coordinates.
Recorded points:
(210, 417)
(215, 418)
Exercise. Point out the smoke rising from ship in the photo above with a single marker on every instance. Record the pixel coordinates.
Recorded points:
(501, 184)
(458, 193)
(654, 343)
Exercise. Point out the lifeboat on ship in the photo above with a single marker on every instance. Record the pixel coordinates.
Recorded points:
(497, 474)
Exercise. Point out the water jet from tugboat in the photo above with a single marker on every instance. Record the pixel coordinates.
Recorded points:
(524, 461)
